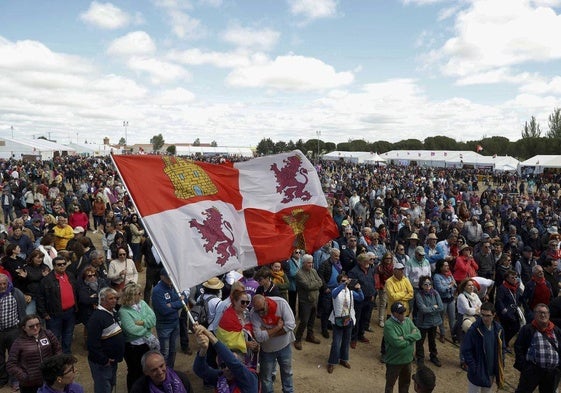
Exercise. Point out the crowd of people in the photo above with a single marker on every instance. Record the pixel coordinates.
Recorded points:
(425, 254)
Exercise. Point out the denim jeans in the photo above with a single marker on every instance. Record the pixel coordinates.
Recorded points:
(340, 344)
(104, 377)
(268, 366)
(62, 327)
(168, 342)
(450, 311)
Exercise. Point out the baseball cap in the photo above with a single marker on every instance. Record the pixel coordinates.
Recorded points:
(420, 250)
(398, 307)
(398, 266)
(78, 229)
(425, 378)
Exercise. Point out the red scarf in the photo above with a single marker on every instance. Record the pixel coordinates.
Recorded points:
(548, 330)
(271, 318)
(513, 288)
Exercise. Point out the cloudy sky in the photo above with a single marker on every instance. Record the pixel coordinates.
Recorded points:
(236, 71)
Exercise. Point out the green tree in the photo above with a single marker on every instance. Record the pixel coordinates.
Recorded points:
(380, 147)
(408, 144)
(440, 143)
(171, 149)
(359, 145)
(213, 144)
(157, 142)
(290, 146)
(122, 142)
(197, 142)
(531, 129)
(330, 146)
(554, 124)
(280, 147)
(265, 146)
(300, 146)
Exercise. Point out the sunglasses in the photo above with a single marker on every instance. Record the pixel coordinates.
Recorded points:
(60, 264)
(244, 302)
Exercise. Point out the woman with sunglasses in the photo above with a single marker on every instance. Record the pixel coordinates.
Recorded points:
(429, 316)
(34, 345)
(88, 288)
(58, 374)
(137, 321)
(122, 270)
(235, 329)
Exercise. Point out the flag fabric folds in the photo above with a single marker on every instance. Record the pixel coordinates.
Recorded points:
(206, 219)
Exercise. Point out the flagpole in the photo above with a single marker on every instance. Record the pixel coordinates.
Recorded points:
(146, 228)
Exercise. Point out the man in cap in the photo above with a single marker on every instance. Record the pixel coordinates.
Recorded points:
(417, 266)
(400, 335)
(398, 289)
(166, 304)
(431, 252)
(485, 260)
(525, 264)
(424, 380)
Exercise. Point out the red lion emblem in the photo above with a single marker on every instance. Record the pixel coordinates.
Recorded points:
(289, 179)
(212, 230)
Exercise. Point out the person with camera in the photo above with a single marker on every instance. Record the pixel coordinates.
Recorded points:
(364, 272)
(343, 319)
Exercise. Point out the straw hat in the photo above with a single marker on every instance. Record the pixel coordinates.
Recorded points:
(213, 283)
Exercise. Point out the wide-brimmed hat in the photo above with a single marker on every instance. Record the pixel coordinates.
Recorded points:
(413, 236)
(213, 283)
(467, 322)
(432, 236)
(462, 248)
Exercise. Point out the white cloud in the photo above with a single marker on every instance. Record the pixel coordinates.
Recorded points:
(542, 86)
(135, 43)
(182, 24)
(159, 71)
(105, 16)
(239, 58)
(313, 9)
(496, 34)
(178, 96)
(293, 73)
(251, 38)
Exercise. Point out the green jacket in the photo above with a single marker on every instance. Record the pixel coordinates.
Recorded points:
(129, 316)
(400, 341)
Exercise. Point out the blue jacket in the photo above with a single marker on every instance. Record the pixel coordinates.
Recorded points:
(162, 295)
(473, 352)
(427, 315)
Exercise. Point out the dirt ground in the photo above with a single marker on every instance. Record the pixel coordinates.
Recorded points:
(310, 375)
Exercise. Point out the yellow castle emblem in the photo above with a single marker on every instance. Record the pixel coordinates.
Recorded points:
(188, 179)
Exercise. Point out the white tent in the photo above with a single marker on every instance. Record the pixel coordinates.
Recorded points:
(439, 158)
(506, 163)
(357, 157)
(374, 159)
(42, 149)
(213, 151)
(538, 164)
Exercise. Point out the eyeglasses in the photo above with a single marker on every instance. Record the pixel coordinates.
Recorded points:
(427, 284)
(542, 312)
(60, 264)
(34, 326)
(487, 315)
(70, 370)
(91, 275)
(244, 302)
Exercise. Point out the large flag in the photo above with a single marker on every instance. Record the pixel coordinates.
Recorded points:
(207, 219)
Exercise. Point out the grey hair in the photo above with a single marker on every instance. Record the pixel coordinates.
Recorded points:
(307, 258)
(147, 355)
(104, 292)
(96, 254)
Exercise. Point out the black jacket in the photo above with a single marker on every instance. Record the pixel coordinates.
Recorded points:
(48, 301)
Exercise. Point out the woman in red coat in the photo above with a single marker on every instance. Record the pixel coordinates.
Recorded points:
(465, 265)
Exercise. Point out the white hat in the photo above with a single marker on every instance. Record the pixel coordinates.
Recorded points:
(467, 322)
(78, 229)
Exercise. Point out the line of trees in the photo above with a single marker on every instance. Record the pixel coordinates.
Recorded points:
(531, 144)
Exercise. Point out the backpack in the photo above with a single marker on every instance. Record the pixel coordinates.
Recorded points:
(199, 311)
